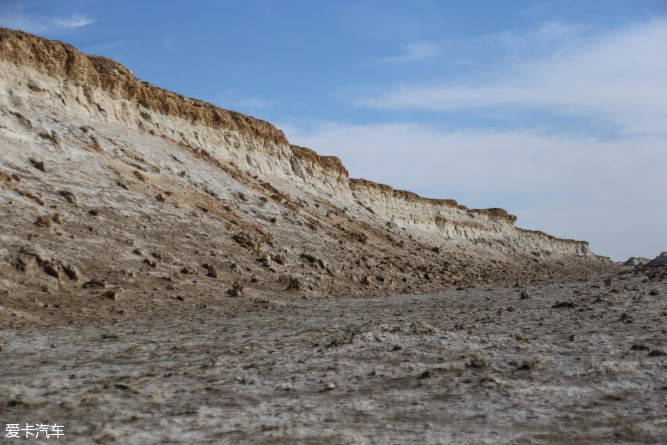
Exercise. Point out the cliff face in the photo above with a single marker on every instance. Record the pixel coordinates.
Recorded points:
(153, 168)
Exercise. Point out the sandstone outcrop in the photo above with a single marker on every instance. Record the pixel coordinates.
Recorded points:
(147, 183)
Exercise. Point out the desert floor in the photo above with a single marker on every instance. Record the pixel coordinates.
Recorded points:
(568, 362)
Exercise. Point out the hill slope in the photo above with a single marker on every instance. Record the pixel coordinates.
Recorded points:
(119, 195)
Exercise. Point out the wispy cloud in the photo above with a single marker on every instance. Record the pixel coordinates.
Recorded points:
(569, 186)
(619, 77)
(16, 17)
(549, 36)
(414, 51)
(73, 21)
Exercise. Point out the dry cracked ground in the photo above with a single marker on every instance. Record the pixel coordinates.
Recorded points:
(577, 362)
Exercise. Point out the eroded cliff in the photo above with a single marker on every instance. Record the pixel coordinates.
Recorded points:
(112, 186)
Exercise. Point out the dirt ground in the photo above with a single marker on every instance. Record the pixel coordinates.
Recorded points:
(579, 362)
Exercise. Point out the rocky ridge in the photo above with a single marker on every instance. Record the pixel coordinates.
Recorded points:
(112, 187)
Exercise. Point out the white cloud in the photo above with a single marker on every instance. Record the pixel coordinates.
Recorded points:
(414, 51)
(73, 21)
(618, 77)
(610, 193)
(15, 17)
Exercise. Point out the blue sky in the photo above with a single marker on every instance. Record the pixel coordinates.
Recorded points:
(554, 110)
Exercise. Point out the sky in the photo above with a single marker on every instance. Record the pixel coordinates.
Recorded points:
(553, 110)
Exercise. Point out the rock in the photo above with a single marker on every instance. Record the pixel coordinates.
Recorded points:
(188, 270)
(524, 295)
(71, 271)
(246, 240)
(295, 284)
(95, 283)
(68, 195)
(51, 268)
(43, 221)
(39, 165)
(151, 263)
(634, 261)
(111, 294)
(137, 174)
(359, 237)
(426, 374)
(563, 304)
(211, 270)
(310, 258)
(51, 136)
(527, 365)
(625, 318)
(57, 219)
(657, 261)
(158, 255)
(236, 290)
(4, 177)
(367, 280)
(478, 363)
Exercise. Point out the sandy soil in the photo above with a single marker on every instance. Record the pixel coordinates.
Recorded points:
(571, 362)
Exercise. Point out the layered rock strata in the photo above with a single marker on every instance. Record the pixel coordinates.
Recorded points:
(134, 184)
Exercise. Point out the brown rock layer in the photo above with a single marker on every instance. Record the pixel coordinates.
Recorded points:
(356, 183)
(59, 58)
